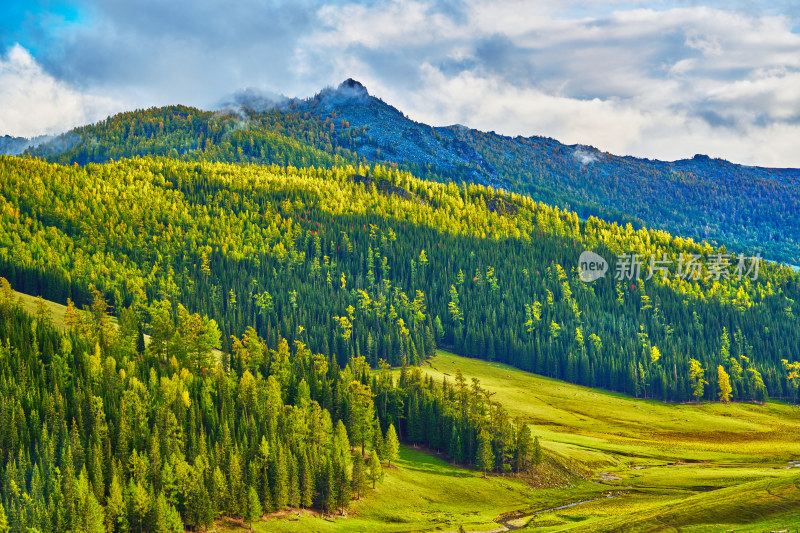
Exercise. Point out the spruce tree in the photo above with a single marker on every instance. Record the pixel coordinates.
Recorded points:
(537, 451)
(342, 483)
(523, 449)
(328, 487)
(116, 513)
(294, 482)
(485, 457)
(306, 480)
(391, 445)
(94, 521)
(375, 468)
(359, 481)
(254, 510)
(377, 437)
(280, 489)
(724, 384)
(3, 520)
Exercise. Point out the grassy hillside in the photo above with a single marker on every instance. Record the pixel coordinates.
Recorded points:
(425, 493)
(654, 467)
(647, 465)
(307, 277)
(575, 420)
(694, 467)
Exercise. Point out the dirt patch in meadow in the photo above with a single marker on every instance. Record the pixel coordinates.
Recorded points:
(714, 437)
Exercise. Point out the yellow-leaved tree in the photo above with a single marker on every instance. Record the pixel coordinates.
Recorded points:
(696, 375)
(724, 382)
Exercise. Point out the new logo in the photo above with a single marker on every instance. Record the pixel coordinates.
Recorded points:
(591, 267)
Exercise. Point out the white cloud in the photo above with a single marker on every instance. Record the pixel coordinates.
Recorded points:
(652, 83)
(34, 103)
(664, 78)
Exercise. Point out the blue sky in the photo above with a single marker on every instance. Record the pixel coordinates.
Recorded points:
(661, 79)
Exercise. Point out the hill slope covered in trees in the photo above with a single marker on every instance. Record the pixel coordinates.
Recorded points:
(360, 261)
(744, 208)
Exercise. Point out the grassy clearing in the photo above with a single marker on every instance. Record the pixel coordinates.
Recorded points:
(670, 467)
(425, 493)
(603, 428)
(57, 311)
(763, 505)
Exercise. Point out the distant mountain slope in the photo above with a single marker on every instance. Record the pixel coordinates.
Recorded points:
(16, 145)
(745, 208)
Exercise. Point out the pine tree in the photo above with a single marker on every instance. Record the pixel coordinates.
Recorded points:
(328, 487)
(3, 520)
(485, 457)
(139, 502)
(523, 448)
(294, 482)
(306, 480)
(94, 515)
(391, 445)
(375, 468)
(263, 459)
(237, 494)
(438, 330)
(254, 510)
(342, 468)
(537, 451)
(377, 437)
(362, 413)
(359, 480)
(167, 518)
(116, 514)
(280, 489)
(696, 374)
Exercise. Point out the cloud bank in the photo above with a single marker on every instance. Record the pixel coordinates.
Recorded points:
(34, 103)
(664, 79)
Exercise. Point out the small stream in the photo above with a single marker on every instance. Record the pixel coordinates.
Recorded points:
(508, 524)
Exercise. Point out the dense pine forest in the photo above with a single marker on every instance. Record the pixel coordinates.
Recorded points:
(101, 435)
(537, 277)
(231, 330)
(371, 262)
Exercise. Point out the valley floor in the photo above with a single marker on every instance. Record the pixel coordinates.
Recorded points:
(646, 465)
(705, 467)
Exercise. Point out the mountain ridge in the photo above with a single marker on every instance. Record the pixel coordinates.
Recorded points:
(747, 208)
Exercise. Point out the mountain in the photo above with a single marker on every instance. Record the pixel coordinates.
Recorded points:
(747, 209)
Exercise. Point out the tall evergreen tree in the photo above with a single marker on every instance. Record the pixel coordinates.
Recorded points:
(537, 451)
(375, 468)
(4, 528)
(724, 385)
(391, 450)
(359, 481)
(254, 510)
(484, 459)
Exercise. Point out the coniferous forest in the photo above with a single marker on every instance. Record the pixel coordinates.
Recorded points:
(231, 330)
(371, 262)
